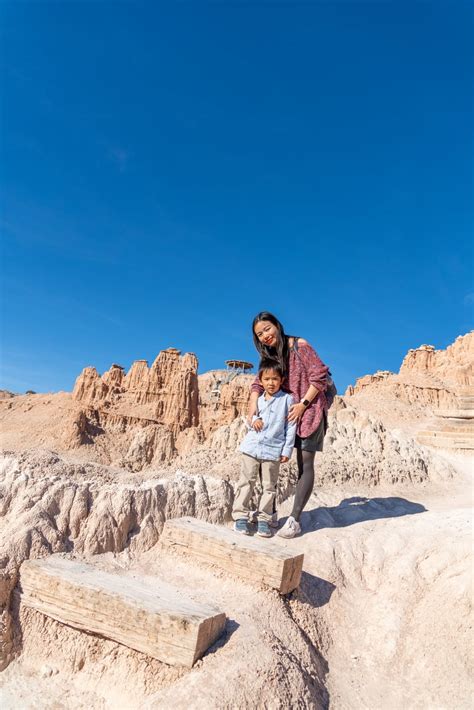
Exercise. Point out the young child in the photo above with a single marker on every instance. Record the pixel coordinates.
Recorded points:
(268, 443)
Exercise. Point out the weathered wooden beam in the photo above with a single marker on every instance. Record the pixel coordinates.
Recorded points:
(145, 614)
(251, 557)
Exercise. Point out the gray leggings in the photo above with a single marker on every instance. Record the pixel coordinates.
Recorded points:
(305, 484)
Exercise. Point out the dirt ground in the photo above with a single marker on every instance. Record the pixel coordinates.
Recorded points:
(382, 618)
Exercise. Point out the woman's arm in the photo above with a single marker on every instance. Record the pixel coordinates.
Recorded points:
(252, 409)
(314, 366)
(317, 375)
(297, 410)
(257, 386)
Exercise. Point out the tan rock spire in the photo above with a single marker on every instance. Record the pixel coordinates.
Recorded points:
(168, 390)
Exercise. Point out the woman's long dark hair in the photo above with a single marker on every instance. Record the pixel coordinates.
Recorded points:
(280, 353)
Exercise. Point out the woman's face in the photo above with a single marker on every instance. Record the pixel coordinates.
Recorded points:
(267, 333)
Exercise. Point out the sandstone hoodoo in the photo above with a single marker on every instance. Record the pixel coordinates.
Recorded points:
(162, 411)
(167, 392)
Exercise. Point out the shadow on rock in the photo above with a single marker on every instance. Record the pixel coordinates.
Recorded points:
(358, 510)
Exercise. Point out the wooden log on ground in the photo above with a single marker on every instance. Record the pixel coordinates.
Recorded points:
(145, 614)
(256, 559)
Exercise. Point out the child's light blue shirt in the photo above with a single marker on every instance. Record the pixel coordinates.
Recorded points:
(277, 437)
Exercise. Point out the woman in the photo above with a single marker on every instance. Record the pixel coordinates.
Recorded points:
(306, 379)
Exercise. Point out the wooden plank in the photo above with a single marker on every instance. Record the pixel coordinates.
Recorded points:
(145, 614)
(251, 557)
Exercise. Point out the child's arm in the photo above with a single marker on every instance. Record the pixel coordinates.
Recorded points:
(290, 431)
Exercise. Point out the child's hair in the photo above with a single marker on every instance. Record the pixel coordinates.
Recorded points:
(267, 363)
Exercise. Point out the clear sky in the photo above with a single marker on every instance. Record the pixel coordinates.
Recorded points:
(167, 170)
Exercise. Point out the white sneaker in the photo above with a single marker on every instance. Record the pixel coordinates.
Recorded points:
(290, 529)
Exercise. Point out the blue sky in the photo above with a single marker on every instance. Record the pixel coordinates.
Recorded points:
(167, 170)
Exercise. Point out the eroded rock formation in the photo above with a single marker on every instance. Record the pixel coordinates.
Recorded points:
(167, 392)
(165, 409)
(48, 505)
(453, 366)
(152, 405)
(428, 378)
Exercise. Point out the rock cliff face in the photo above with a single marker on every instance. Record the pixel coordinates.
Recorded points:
(453, 366)
(152, 406)
(428, 378)
(149, 415)
(167, 391)
(89, 387)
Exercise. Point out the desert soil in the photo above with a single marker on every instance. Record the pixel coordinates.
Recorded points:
(381, 620)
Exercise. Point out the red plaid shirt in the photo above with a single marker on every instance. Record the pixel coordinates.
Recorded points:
(304, 368)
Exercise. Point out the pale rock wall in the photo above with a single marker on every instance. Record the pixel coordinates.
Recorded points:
(48, 505)
(421, 359)
(359, 448)
(136, 380)
(130, 442)
(113, 378)
(368, 380)
(150, 446)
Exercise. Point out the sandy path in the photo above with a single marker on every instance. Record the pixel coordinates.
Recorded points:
(389, 602)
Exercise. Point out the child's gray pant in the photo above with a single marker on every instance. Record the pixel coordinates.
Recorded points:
(255, 474)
